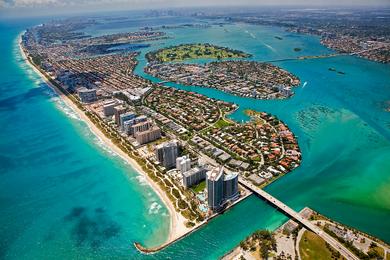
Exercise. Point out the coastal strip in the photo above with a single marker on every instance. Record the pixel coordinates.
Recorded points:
(177, 228)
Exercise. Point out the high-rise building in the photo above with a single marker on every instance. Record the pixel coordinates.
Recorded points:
(183, 164)
(87, 95)
(166, 154)
(194, 176)
(118, 110)
(140, 127)
(125, 117)
(109, 107)
(230, 186)
(221, 188)
(141, 118)
(214, 184)
(128, 125)
(147, 136)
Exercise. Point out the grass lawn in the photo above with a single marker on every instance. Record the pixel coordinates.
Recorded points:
(379, 251)
(199, 187)
(312, 246)
(221, 123)
(197, 51)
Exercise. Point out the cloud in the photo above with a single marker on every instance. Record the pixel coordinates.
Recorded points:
(27, 3)
(51, 3)
(135, 4)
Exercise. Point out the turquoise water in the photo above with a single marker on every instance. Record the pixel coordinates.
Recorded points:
(64, 195)
(340, 120)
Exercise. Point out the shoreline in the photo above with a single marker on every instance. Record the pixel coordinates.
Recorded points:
(177, 227)
(152, 250)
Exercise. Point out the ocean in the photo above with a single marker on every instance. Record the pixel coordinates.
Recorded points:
(63, 194)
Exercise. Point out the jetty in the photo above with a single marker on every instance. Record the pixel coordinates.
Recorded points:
(151, 250)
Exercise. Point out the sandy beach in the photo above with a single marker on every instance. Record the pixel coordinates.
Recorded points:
(177, 226)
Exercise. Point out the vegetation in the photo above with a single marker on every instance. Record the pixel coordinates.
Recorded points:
(222, 123)
(375, 251)
(37, 60)
(194, 51)
(261, 239)
(347, 244)
(312, 246)
(199, 187)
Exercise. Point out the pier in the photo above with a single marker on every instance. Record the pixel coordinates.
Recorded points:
(297, 217)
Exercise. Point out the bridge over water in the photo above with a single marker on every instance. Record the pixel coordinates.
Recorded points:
(297, 217)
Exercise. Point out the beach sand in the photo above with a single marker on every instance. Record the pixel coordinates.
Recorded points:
(177, 221)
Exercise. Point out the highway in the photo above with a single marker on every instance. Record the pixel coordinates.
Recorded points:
(297, 217)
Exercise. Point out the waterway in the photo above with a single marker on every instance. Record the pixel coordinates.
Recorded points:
(64, 195)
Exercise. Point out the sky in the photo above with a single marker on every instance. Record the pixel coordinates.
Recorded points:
(39, 7)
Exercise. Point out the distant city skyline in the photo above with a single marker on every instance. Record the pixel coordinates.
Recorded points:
(46, 7)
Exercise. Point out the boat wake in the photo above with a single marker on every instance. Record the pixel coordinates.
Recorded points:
(270, 47)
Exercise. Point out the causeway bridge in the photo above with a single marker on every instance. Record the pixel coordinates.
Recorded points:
(297, 217)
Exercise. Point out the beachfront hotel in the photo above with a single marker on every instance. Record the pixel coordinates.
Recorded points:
(87, 95)
(230, 186)
(194, 176)
(166, 154)
(148, 136)
(118, 110)
(109, 107)
(183, 164)
(221, 188)
(214, 184)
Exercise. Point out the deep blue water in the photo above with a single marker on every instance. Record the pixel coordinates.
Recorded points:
(64, 195)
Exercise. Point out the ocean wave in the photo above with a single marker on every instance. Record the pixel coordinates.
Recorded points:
(154, 208)
(61, 105)
(99, 142)
(142, 180)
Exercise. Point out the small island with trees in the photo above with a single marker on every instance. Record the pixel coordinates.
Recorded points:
(194, 51)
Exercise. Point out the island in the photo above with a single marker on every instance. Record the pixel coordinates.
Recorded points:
(194, 51)
(242, 78)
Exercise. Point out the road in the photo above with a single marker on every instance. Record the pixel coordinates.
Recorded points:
(297, 217)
